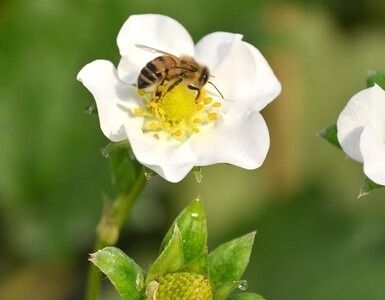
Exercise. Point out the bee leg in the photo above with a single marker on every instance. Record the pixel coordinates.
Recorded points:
(158, 93)
(194, 88)
(174, 84)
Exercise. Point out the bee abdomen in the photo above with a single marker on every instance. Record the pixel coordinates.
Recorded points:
(154, 70)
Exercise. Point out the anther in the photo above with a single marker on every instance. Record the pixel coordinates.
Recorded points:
(177, 133)
(138, 112)
(207, 101)
(212, 116)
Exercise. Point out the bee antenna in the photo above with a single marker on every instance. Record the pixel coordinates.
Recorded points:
(216, 89)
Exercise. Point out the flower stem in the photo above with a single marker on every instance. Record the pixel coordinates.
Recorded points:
(108, 229)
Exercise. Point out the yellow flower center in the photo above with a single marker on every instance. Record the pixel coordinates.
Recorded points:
(178, 113)
(178, 105)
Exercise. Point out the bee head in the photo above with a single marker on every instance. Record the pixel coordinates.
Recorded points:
(204, 76)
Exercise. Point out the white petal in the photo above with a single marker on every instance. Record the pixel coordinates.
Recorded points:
(172, 160)
(128, 71)
(213, 48)
(373, 152)
(267, 85)
(366, 108)
(241, 140)
(240, 71)
(152, 30)
(100, 78)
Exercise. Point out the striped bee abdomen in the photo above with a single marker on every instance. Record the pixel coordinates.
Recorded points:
(155, 71)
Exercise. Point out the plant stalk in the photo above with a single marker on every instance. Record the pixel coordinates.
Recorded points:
(108, 230)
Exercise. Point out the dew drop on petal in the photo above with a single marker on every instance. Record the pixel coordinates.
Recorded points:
(242, 285)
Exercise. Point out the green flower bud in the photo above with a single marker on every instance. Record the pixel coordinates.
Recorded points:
(181, 286)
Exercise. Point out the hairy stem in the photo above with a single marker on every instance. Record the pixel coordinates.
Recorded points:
(109, 228)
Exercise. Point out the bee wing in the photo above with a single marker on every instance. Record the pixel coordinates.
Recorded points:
(186, 67)
(153, 50)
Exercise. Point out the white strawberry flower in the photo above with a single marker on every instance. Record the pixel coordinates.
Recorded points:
(361, 131)
(178, 131)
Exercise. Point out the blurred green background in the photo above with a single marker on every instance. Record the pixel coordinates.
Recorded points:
(316, 240)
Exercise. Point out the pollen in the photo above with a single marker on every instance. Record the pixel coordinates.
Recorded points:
(178, 114)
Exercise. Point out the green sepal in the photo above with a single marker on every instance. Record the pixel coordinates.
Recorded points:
(198, 265)
(192, 224)
(228, 262)
(367, 186)
(112, 147)
(376, 78)
(122, 271)
(170, 260)
(224, 290)
(246, 296)
(125, 169)
(330, 135)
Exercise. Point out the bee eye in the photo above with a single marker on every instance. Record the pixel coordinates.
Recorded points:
(205, 77)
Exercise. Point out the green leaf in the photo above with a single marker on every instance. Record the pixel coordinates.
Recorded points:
(170, 260)
(246, 296)
(228, 262)
(123, 272)
(330, 135)
(376, 78)
(192, 224)
(125, 168)
(368, 186)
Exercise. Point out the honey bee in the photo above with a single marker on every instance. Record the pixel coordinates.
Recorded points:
(168, 70)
